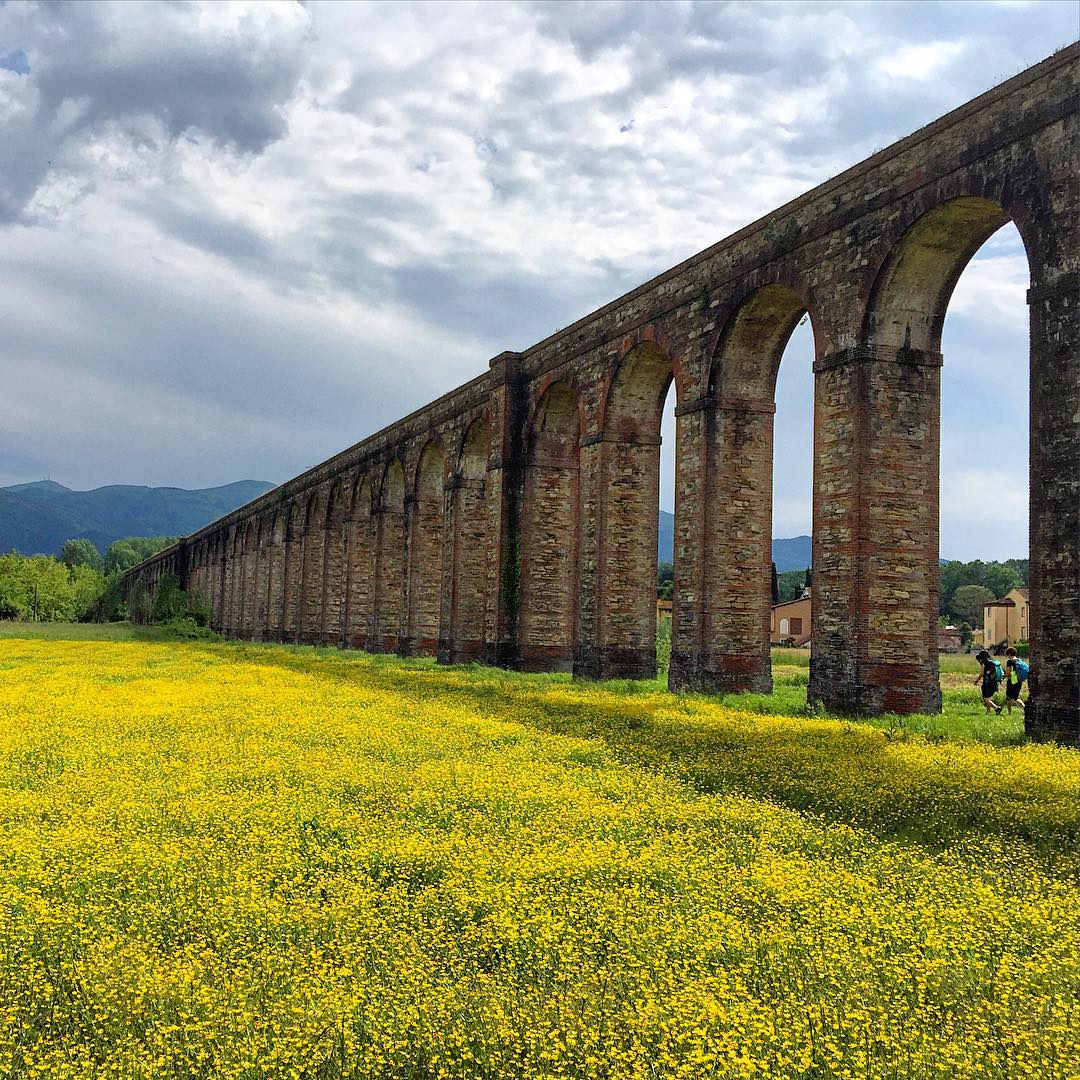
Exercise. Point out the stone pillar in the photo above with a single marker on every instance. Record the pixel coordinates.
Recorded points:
(692, 420)
(738, 544)
(294, 565)
(389, 580)
(621, 515)
(465, 571)
(335, 544)
(1053, 709)
(359, 576)
(875, 552)
(503, 496)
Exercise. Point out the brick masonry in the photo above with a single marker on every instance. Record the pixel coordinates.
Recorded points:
(514, 520)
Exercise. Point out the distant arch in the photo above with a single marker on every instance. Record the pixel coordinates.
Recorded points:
(426, 551)
(360, 572)
(389, 577)
(469, 577)
(550, 533)
(335, 544)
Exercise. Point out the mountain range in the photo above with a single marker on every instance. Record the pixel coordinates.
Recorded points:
(789, 554)
(37, 518)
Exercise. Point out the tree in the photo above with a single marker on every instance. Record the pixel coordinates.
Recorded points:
(81, 552)
(169, 603)
(968, 602)
(124, 554)
(87, 586)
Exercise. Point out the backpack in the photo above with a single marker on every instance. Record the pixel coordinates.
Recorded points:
(1021, 668)
(999, 673)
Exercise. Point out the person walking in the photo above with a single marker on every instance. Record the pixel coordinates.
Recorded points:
(990, 675)
(1016, 674)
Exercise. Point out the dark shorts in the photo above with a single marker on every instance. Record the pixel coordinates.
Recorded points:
(1012, 691)
(990, 687)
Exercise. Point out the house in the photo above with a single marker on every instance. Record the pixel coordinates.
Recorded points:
(663, 609)
(1005, 621)
(949, 640)
(790, 621)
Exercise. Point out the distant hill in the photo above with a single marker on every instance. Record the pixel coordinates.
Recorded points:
(37, 518)
(790, 554)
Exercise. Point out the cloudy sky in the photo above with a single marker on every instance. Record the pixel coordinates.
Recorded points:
(236, 238)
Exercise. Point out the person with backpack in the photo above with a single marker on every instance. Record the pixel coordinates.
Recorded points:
(990, 675)
(1016, 674)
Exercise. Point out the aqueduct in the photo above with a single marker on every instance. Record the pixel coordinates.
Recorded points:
(514, 520)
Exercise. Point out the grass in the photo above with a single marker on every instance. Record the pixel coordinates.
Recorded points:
(962, 716)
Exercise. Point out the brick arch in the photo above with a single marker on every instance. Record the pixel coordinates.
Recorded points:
(425, 551)
(390, 563)
(469, 575)
(550, 542)
(475, 449)
(248, 578)
(360, 569)
(311, 588)
(275, 573)
(335, 542)
(746, 356)
(293, 568)
(627, 461)
(914, 283)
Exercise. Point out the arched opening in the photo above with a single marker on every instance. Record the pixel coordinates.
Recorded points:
(469, 585)
(264, 538)
(737, 567)
(250, 556)
(630, 467)
(547, 619)
(426, 552)
(275, 577)
(311, 599)
(360, 571)
(235, 571)
(389, 561)
(293, 576)
(665, 543)
(333, 575)
(897, 575)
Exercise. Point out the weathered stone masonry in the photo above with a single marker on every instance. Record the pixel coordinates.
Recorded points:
(514, 520)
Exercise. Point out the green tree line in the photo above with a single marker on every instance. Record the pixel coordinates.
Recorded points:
(81, 586)
(965, 587)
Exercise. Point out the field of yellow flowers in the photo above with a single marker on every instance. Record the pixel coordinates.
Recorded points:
(254, 862)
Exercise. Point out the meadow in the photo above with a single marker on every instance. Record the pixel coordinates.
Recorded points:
(244, 861)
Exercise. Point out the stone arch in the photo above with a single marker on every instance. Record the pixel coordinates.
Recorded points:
(250, 557)
(913, 286)
(312, 567)
(746, 360)
(877, 493)
(275, 573)
(470, 576)
(360, 571)
(260, 611)
(389, 577)
(629, 467)
(548, 594)
(335, 543)
(293, 569)
(736, 559)
(425, 550)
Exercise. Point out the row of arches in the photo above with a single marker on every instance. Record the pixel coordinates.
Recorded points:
(560, 557)
(360, 561)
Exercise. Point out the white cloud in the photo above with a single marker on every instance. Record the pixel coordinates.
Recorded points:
(290, 224)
